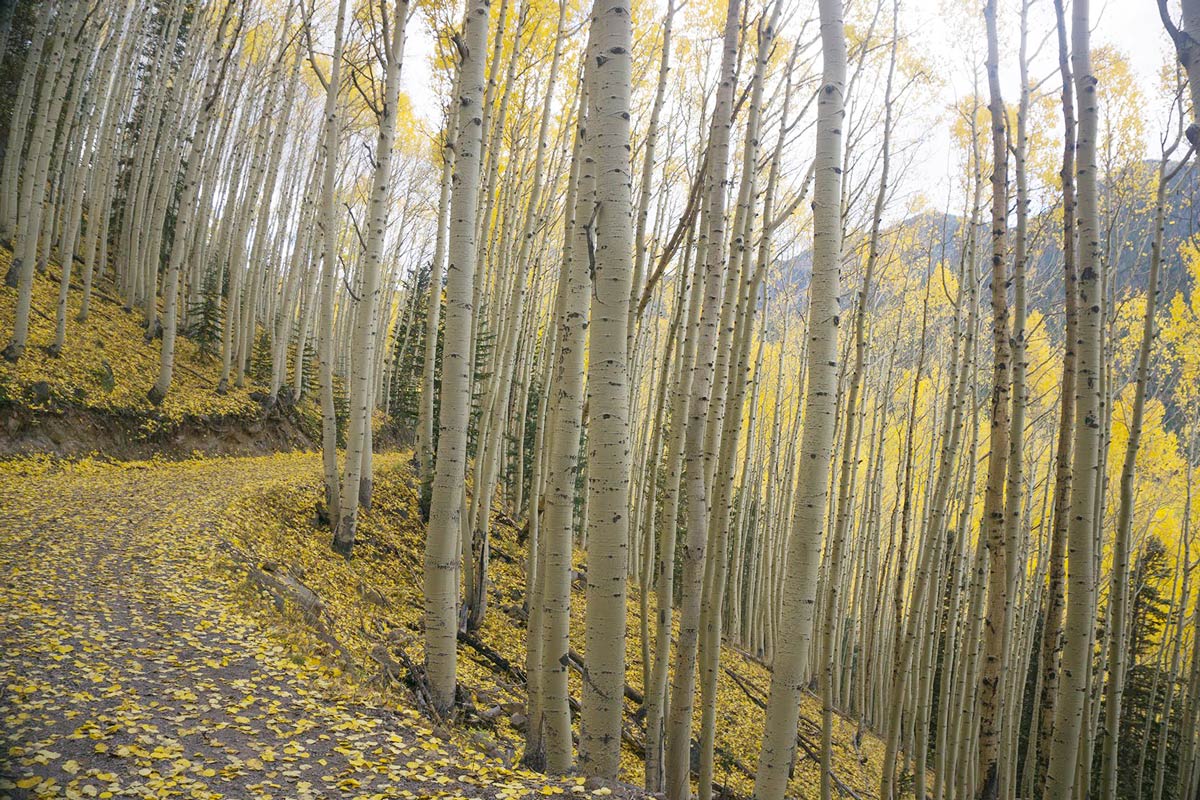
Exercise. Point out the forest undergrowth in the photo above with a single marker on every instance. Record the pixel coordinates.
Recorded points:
(198, 636)
(91, 397)
(138, 660)
(372, 606)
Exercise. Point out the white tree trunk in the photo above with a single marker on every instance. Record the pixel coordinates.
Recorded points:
(820, 407)
(445, 520)
(608, 393)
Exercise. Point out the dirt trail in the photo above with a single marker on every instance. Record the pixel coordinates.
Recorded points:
(128, 669)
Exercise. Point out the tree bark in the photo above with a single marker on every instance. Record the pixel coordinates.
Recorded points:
(443, 535)
(608, 394)
(816, 446)
(1073, 687)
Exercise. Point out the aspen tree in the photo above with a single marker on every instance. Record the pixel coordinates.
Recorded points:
(656, 693)
(239, 255)
(1074, 683)
(285, 317)
(1014, 522)
(492, 428)
(252, 305)
(68, 26)
(848, 459)
(668, 379)
(608, 393)
(567, 391)
(506, 324)
(443, 535)
(650, 146)
(217, 68)
(1119, 575)
(433, 316)
(141, 226)
(955, 535)
(18, 126)
(1051, 643)
(820, 406)
(1189, 767)
(534, 756)
(699, 459)
(1183, 559)
(103, 185)
(998, 601)
(258, 264)
(329, 246)
(362, 398)
(744, 280)
(95, 120)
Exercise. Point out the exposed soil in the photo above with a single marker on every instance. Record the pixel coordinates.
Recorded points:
(72, 432)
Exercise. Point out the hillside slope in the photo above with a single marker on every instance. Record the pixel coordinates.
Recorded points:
(137, 663)
(92, 397)
(250, 526)
(372, 606)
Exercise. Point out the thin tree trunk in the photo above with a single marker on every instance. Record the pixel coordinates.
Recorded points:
(816, 446)
(445, 521)
(217, 67)
(1073, 686)
(999, 604)
(362, 398)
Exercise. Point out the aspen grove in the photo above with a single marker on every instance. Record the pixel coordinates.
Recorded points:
(857, 340)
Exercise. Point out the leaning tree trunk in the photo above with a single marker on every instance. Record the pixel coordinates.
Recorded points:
(820, 406)
(362, 398)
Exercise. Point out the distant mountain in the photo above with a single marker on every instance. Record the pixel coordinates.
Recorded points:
(1127, 227)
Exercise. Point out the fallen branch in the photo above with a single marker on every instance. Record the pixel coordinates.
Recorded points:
(575, 662)
(284, 587)
(490, 655)
(416, 680)
(809, 749)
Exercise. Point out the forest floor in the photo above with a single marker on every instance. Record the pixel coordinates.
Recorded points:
(133, 665)
(91, 398)
(182, 628)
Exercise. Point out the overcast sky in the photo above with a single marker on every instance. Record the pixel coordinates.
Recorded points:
(949, 35)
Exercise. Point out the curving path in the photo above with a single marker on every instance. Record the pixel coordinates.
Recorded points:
(128, 668)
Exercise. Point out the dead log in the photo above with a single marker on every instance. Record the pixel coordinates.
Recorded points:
(284, 588)
(809, 749)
